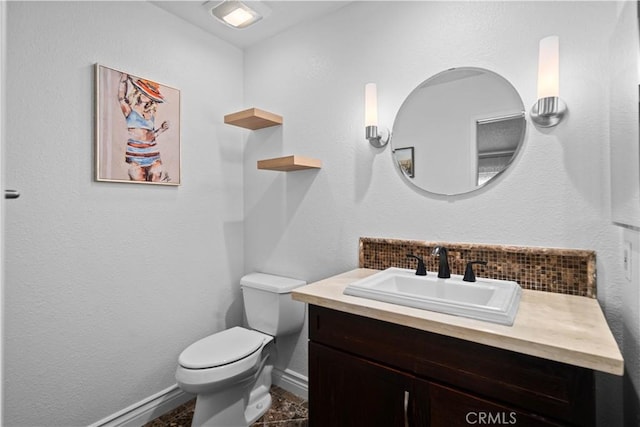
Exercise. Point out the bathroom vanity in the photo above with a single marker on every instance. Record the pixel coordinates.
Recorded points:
(375, 363)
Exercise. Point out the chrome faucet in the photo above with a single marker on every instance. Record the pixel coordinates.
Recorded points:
(443, 268)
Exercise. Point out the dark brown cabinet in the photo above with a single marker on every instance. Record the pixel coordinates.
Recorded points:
(365, 372)
(356, 391)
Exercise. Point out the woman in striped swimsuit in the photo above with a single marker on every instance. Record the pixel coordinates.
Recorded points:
(139, 99)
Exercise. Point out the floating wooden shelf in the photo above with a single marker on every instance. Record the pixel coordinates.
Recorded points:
(253, 119)
(289, 163)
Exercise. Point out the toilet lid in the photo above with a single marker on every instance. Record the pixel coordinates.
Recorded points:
(220, 349)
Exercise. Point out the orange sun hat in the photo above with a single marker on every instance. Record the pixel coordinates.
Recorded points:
(149, 88)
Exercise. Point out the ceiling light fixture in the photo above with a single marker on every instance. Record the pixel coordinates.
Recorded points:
(237, 14)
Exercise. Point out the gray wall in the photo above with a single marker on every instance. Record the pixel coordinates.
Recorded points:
(106, 283)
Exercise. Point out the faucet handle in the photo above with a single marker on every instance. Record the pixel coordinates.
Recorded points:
(421, 270)
(469, 276)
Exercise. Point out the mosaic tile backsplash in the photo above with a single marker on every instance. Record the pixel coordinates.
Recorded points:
(565, 271)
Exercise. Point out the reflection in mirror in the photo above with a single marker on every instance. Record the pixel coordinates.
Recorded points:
(458, 130)
(497, 140)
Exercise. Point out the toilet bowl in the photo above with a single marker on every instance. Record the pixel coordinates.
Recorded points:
(230, 371)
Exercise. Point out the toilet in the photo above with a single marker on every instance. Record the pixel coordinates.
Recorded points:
(230, 371)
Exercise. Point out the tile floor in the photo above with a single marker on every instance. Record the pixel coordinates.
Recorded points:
(287, 410)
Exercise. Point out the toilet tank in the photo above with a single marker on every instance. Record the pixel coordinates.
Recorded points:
(268, 304)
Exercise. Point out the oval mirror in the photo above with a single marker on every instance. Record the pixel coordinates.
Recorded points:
(458, 130)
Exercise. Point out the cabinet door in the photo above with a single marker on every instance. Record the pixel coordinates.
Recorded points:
(452, 408)
(348, 391)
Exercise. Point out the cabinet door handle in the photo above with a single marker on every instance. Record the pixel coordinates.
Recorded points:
(406, 409)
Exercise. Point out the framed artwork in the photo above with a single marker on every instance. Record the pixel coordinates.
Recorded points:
(404, 157)
(137, 129)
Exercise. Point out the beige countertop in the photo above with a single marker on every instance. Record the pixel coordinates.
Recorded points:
(565, 328)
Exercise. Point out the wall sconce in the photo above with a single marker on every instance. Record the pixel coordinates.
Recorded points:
(377, 138)
(549, 110)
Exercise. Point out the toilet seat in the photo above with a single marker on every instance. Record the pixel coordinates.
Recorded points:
(234, 359)
(221, 348)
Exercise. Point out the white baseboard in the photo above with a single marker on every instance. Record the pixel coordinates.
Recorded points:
(147, 409)
(292, 381)
(172, 397)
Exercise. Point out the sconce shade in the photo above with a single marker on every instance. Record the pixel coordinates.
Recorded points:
(549, 109)
(549, 68)
(370, 105)
(376, 137)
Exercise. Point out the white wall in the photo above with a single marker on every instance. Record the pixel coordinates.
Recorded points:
(88, 332)
(556, 194)
(625, 189)
(107, 283)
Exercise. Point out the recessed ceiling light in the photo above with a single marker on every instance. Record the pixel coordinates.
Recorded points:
(237, 14)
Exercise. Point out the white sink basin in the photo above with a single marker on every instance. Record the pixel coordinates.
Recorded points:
(490, 300)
